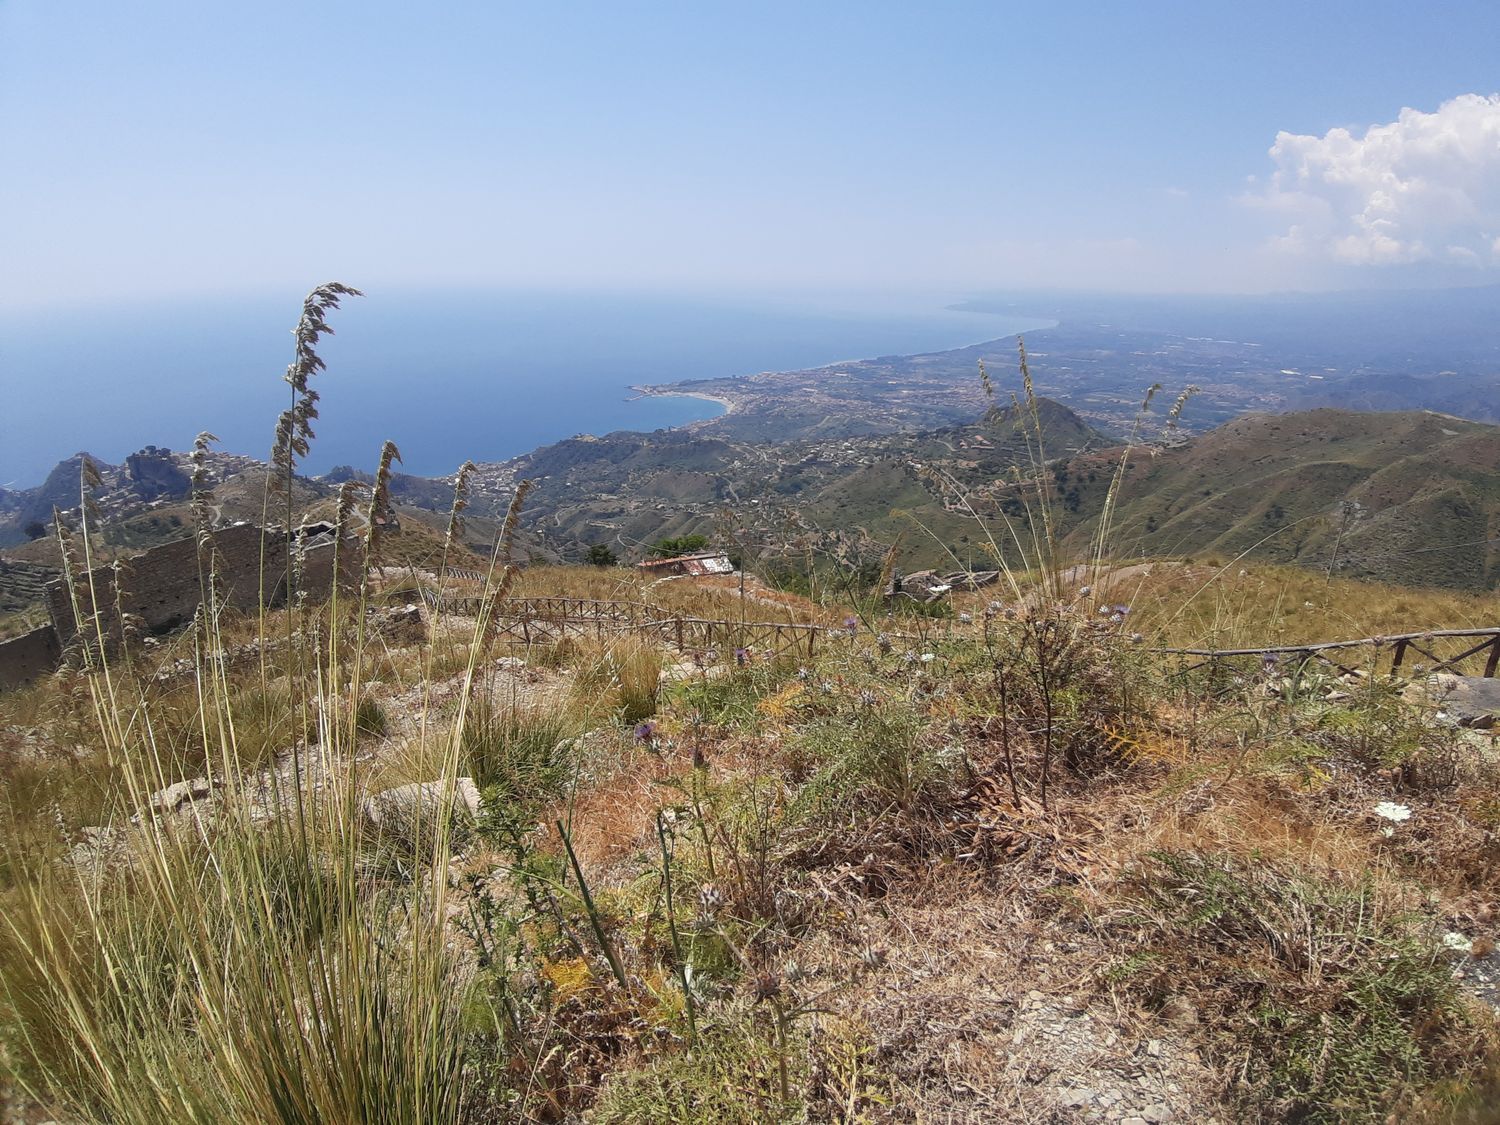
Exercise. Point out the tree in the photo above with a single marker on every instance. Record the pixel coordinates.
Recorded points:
(35, 529)
(601, 555)
(679, 545)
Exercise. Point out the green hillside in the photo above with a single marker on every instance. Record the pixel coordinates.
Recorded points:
(1411, 498)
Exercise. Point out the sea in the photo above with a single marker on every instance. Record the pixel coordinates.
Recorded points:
(447, 376)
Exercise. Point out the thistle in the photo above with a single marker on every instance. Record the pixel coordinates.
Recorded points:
(710, 899)
(765, 986)
(710, 902)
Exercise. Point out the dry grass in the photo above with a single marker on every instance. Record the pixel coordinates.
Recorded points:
(1230, 607)
(985, 1011)
(713, 598)
(969, 958)
(998, 872)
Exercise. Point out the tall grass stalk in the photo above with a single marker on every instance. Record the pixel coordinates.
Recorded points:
(251, 963)
(239, 968)
(294, 432)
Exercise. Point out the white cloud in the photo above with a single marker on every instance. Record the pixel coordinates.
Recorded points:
(1423, 188)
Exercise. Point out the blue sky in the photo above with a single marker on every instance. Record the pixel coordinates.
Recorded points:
(155, 148)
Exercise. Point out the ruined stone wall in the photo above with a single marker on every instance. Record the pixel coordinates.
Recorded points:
(162, 586)
(29, 657)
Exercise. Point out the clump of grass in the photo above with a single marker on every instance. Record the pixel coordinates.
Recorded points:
(242, 965)
(722, 691)
(1326, 1003)
(627, 672)
(523, 753)
(369, 718)
(730, 1078)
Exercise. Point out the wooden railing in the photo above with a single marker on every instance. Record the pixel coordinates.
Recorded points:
(551, 609)
(1477, 653)
(531, 621)
(542, 620)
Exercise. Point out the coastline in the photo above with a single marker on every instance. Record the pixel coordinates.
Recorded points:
(729, 404)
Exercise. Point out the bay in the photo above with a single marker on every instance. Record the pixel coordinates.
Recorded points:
(446, 375)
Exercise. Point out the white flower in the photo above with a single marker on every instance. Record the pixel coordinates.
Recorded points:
(928, 658)
(1457, 942)
(1389, 810)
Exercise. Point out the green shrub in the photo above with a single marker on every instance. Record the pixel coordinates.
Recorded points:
(870, 760)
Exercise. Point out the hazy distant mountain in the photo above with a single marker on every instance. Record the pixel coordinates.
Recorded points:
(1433, 350)
(1412, 498)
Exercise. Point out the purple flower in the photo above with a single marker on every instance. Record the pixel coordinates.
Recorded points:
(1122, 610)
(742, 656)
(645, 733)
(851, 625)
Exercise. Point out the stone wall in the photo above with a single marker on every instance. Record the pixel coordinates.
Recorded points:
(29, 657)
(163, 586)
(23, 585)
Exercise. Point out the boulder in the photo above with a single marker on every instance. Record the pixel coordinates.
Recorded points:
(972, 579)
(922, 586)
(406, 807)
(179, 795)
(402, 625)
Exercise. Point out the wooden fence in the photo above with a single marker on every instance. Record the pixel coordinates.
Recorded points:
(553, 609)
(532, 621)
(1474, 652)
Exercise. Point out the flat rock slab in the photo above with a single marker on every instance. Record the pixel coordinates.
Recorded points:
(1472, 701)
